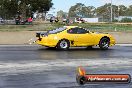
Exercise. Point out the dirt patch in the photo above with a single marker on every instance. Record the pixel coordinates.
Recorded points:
(24, 37)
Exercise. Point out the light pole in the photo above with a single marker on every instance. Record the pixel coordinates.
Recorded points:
(118, 13)
(111, 12)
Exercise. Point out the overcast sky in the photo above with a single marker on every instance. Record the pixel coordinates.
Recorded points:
(66, 4)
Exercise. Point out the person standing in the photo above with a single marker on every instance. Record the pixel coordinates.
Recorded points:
(51, 20)
(30, 20)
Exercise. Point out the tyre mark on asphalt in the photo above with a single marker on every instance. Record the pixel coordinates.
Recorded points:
(50, 65)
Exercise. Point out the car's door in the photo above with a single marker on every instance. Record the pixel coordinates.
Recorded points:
(84, 38)
(72, 36)
(80, 37)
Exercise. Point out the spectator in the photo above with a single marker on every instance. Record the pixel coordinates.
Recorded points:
(67, 21)
(1, 20)
(52, 19)
(64, 21)
(18, 19)
(30, 20)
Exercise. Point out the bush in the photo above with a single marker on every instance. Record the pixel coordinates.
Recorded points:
(126, 20)
(115, 20)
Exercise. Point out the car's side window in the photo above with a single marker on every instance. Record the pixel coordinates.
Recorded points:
(82, 31)
(72, 31)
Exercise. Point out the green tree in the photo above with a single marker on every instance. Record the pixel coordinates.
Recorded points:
(122, 10)
(76, 10)
(61, 14)
(25, 7)
(129, 11)
(80, 10)
(105, 12)
(42, 6)
(90, 11)
(8, 8)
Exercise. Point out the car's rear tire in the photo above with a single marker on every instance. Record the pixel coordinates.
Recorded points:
(104, 43)
(63, 44)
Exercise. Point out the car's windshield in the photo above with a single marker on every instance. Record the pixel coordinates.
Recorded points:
(57, 30)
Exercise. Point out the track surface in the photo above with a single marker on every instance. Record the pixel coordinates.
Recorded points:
(39, 67)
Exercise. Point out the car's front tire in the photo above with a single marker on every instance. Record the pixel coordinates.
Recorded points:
(63, 44)
(104, 43)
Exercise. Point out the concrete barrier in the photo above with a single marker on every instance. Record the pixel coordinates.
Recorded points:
(25, 37)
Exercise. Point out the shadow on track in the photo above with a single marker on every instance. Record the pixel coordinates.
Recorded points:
(74, 49)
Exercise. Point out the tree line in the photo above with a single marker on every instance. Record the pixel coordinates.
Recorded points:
(9, 8)
(104, 12)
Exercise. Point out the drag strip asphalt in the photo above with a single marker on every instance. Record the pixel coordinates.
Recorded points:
(33, 66)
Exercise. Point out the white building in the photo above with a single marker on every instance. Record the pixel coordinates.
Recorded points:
(91, 20)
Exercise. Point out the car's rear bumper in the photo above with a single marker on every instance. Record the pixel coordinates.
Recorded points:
(45, 42)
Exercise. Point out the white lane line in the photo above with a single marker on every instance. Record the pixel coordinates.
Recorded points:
(124, 44)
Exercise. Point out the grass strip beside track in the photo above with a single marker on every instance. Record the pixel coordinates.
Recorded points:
(110, 27)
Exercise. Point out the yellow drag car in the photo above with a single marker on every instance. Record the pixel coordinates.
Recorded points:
(74, 36)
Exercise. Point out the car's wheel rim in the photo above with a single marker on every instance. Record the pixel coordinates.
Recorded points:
(63, 44)
(105, 44)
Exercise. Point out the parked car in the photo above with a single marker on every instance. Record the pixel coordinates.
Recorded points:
(74, 36)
